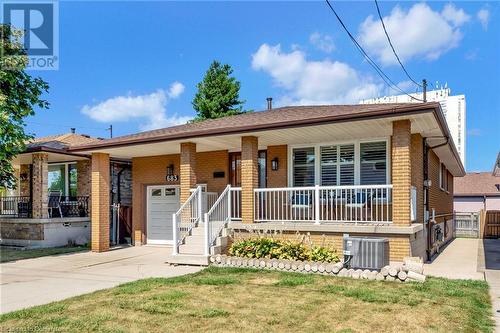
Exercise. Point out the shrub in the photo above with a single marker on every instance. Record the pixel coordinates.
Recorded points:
(281, 249)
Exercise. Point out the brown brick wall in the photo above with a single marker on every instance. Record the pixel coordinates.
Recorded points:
(439, 199)
(277, 178)
(100, 202)
(25, 185)
(249, 176)
(40, 185)
(209, 162)
(401, 171)
(399, 245)
(148, 171)
(417, 173)
(188, 169)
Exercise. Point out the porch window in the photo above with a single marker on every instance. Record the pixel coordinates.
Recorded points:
(337, 165)
(359, 163)
(63, 178)
(373, 166)
(303, 166)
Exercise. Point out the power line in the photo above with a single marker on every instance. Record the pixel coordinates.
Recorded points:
(392, 46)
(379, 71)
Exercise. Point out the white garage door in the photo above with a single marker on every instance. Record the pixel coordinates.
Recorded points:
(163, 201)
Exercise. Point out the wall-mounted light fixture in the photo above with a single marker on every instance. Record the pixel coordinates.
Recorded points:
(275, 164)
(170, 170)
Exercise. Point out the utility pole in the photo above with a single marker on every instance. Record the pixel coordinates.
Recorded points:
(110, 129)
(424, 87)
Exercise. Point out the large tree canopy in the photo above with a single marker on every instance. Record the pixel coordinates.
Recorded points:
(218, 93)
(19, 94)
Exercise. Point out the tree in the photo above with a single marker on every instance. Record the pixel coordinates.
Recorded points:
(19, 94)
(218, 93)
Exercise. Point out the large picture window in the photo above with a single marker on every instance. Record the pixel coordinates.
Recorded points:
(361, 163)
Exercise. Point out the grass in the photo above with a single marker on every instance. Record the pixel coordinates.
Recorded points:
(247, 300)
(12, 254)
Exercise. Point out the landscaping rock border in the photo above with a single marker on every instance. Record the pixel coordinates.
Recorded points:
(409, 271)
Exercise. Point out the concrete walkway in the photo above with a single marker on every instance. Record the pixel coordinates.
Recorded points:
(489, 250)
(43, 280)
(459, 260)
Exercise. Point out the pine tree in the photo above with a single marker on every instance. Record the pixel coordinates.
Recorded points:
(218, 93)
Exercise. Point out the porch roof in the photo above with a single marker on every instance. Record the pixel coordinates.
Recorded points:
(289, 125)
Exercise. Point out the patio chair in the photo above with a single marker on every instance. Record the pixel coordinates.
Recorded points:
(55, 202)
(359, 202)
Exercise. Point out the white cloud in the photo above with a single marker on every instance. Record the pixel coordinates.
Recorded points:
(150, 107)
(312, 82)
(419, 32)
(455, 16)
(484, 17)
(322, 42)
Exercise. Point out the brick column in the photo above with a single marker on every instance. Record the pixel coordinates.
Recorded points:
(83, 174)
(401, 172)
(40, 191)
(24, 184)
(188, 169)
(249, 176)
(100, 202)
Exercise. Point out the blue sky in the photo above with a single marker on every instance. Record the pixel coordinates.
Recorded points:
(136, 64)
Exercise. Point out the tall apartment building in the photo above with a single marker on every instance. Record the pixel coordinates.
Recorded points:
(453, 109)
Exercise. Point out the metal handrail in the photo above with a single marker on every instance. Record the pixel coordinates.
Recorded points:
(217, 217)
(190, 209)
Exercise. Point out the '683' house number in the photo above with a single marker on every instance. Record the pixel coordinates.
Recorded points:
(172, 178)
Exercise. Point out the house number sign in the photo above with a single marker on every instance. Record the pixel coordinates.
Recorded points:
(172, 178)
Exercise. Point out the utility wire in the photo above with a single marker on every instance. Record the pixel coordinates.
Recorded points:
(392, 46)
(379, 71)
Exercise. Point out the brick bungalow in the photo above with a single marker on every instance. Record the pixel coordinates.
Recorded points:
(378, 170)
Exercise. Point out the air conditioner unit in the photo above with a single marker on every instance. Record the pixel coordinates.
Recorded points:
(366, 252)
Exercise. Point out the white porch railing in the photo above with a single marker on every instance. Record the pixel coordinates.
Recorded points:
(186, 218)
(220, 214)
(235, 197)
(345, 204)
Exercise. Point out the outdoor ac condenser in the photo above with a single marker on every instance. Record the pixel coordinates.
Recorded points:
(366, 252)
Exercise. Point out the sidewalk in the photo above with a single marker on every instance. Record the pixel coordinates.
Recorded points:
(459, 260)
(489, 250)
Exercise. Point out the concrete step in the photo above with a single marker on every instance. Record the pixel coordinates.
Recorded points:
(190, 249)
(188, 259)
(194, 240)
(198, 231)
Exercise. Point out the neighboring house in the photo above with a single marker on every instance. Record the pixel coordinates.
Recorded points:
(50, 204)
(380, 170)
(478, 191)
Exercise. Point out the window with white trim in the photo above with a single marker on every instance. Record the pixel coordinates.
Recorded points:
(303, 166)
(362, 163)
(373, 163)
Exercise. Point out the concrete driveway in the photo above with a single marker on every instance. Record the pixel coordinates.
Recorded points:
(43, 280)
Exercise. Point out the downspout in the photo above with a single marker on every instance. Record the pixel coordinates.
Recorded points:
(426, 194)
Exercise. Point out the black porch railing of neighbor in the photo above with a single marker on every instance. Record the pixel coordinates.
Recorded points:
(16, 206)
(73, 206)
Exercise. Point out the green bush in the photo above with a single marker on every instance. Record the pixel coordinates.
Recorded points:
(281, 249)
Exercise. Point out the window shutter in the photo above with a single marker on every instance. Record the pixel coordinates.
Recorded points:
(346, 162)
(373, 166)
(303, 166)
(329, 165)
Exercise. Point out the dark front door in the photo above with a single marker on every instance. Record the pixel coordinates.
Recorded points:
(235, 169)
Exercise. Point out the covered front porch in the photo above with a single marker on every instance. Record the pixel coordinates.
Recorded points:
(346, 174)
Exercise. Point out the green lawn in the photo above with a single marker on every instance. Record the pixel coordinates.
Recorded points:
(12, 254)
(246, 300)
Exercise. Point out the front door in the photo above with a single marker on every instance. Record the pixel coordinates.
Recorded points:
(162, 202)
(235, 169)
